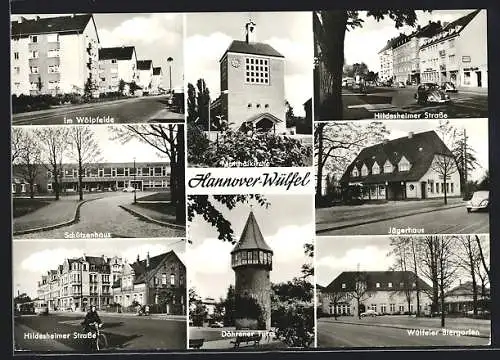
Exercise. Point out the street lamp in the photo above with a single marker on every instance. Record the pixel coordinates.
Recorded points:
(169, 61)
(135, 190)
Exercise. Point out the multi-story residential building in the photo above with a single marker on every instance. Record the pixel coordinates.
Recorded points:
(458, 53)
(159, 280)
(411, 167)
(54, 55)
(156, 83)
(252, 85)
(117, 64)
(97, 177)
(386, 292)
(386, 72)
(145, 79)
(405, 50)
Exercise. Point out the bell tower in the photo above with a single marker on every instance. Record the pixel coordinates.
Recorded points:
(251, 260)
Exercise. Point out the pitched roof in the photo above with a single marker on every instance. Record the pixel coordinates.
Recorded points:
(60, 24)
(251, 237)
(95, 260)
(157, 70)
(371, 278)
(118, 53)
(144, 64)
(242, 47)
(465, 289)
(419, 150)
(452, 29)
(261, 116)
(140, 267)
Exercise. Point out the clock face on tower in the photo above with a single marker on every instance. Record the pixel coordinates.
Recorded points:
(235, 63)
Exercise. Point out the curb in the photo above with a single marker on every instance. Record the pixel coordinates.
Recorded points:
(147, 218)
(384, 219)
(75, 219)
(403, 327)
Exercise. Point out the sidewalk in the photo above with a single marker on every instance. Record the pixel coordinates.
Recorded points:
(166, 114)
(343, 216)
(226, 344)
(152, 216)
(472, 90)
(412, 323)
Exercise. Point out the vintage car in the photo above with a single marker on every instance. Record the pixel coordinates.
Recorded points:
(431, 93)
(369, 313)
(449, 87)
(480, 201)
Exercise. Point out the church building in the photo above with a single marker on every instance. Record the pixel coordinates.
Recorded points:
(252, 76)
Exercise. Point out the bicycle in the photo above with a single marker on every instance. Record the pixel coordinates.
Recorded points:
(100, 341)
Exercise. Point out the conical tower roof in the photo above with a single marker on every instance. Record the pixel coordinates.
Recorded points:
(251, 238)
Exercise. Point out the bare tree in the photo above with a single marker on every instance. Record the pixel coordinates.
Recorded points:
(84, 149)
(28, 160)
(468, 258)
(334, 298)
(169, 141)
(18, 139)
(360, 292)
(446, 269)
(428, 260)
(54, 145)
(445, 164)
(482, 256)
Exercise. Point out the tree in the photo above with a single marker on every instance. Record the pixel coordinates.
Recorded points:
(445, 166)
(18, 140)
(308, 268)
(336, 144)
(203, 206)
(334, 298)
(329, 28)
(468, 259)
(29, 161)
(40, 84)
(428, 259)
(289, 116)
(84, 149)
(446, 269)
(229, 304)
(485, 182)
(133, 87)
(360, 292)
(192, 106)
(202, 104)
(89, 87)
(53, 141)
(169, 141)
(483, 257)
(121, 86)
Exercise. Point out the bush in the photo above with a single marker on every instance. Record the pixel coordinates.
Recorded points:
(247, 308)
(294, 324)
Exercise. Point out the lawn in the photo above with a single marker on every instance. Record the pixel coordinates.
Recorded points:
(25, 206)
(167, 209)
(159, 196)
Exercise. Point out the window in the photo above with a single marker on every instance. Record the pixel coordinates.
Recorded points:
(392, 308)
(442, 187)
(401, 308)
(53, 53)
(452, 189)
(53, 85)
(383, 308)
(53, 37)
(34, 54)
(343, 286)
(16, 55)
(355, 172)
(53, 69)
(389, 285)
(364, 170)
(34, 69)
(257, 71)
(387, 167)
(404, 164)
(164, 279)
(172, 279)
(33, 38)
(113, 62)
(374, 307)
(375, 169)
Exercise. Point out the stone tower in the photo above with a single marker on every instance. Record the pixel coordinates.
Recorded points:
(251, 260)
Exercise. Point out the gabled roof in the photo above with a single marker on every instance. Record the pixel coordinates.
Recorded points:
(118, 53)
(242, 47)
(60, 24)
(419, 150)
(95, 260)
(261, 116)
(157, 70)
(465, 289)
(371, 278)
(251, 237)
(144, 64)
(140, 267)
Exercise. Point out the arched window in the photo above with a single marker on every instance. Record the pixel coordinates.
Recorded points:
(375, 169)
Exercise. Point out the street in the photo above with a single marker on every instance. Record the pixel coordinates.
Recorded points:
(104, 215)
(447, 221)
(133, 110)
(124, 332)
(463, 104)
(345, 334)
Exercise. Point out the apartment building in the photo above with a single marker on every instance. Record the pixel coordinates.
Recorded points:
(386, 57)
(145, 79)
(156, 82)
(117, 64)
(458, 53)
(55, 55)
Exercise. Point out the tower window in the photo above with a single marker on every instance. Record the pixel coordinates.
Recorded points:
(266, 106)
(258, 106)
(258, 73)
(249, 106)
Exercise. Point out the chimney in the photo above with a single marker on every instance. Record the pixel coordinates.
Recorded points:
(147, 260)
(250, 32)
(138, 258)
(410, 134)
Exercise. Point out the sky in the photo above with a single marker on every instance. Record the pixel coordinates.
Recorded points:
(343, 253)
(208, 36)
(33, 258)
(155, 37)
(114, 151)
(363, 44)
(287, 224)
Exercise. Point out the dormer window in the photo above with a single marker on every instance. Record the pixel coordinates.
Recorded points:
(364, 170)
(404, 164)
(343, 286)
(375, 169)
(355, 172)
(377, 285)
(388, 168)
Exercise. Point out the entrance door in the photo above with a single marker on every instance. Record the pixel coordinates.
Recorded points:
(479, 79)
(423, 186)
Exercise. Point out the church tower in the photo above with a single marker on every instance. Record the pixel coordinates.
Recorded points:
(251, 260)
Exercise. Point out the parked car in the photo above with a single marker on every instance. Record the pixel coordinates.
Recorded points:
(129, 189)
(431, 93)
(449, 87)
(217, 324)
(480, 201)
(400, 84)
(369, 313)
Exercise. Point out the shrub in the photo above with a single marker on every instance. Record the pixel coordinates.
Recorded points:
(295, 324)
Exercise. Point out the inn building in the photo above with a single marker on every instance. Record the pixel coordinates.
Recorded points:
(410, 167)
(54, 55)
(159, 280)
(386, 292)
(117, 64)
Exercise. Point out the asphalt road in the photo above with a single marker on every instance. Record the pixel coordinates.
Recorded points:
(106, 216)
(123, 333)
(331, 334)
(448, 221)
(134, 110)
(391, 100)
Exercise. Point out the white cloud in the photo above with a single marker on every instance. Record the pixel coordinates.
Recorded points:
(369, 258)
(289, 242)
(42, 261)
(145, 29)
(298, 55)
(209, 257)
